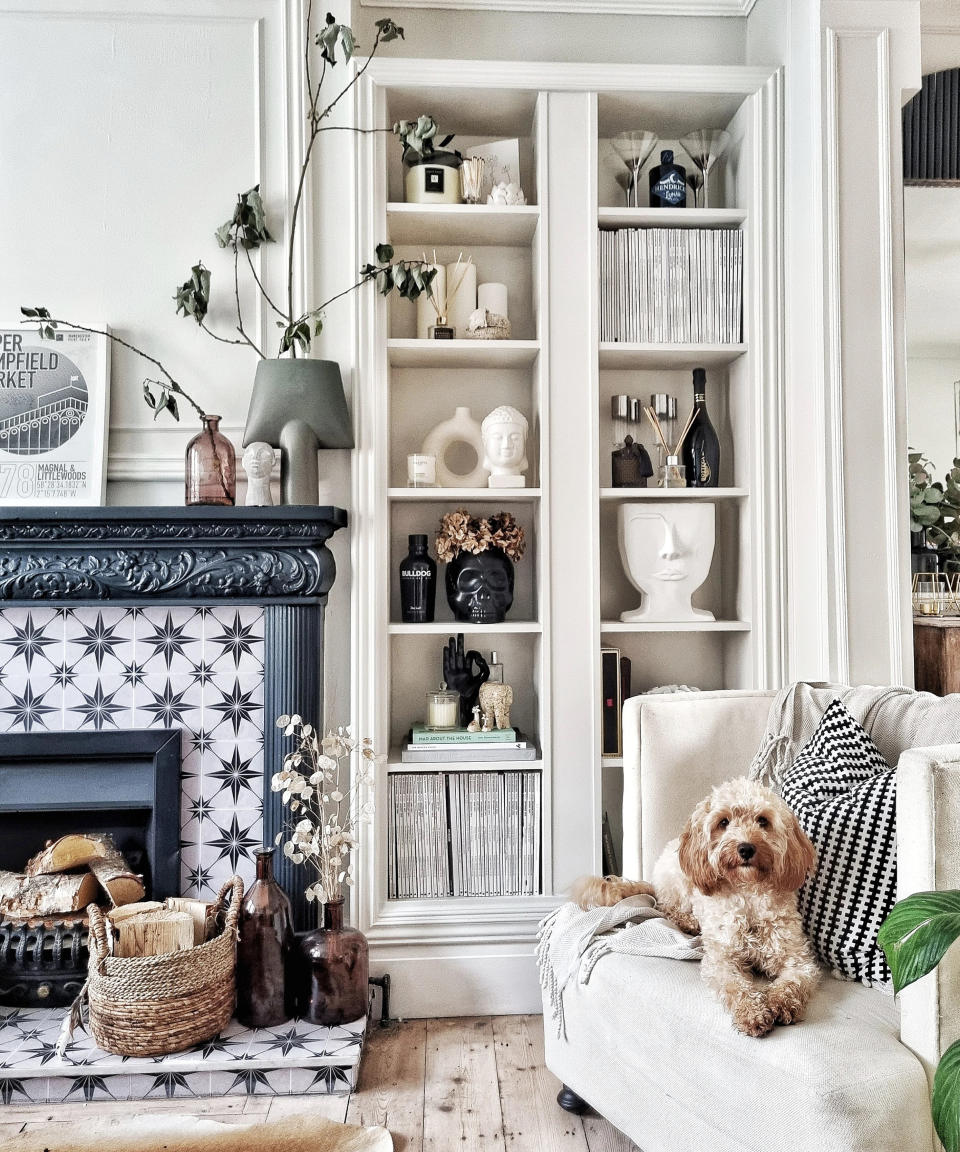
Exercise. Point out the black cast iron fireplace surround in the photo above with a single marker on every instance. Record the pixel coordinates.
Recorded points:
(275, 558)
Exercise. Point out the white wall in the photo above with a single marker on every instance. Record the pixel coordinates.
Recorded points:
(931, 420)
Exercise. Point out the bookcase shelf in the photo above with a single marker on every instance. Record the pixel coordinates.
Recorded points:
(435, 224)
(445, 627)
(671, 217)
(611, 627)
(456, 495)
(404, 353)
(395, 764)
(614, 355)
(673, 493)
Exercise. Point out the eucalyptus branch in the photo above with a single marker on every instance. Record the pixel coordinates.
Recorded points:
(263, 291)
(236, 292)
(46, 320)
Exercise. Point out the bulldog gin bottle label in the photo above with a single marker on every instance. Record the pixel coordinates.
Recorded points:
(668, 183)
(418, 583)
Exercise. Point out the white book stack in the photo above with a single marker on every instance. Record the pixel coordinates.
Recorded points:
(671, 285)
(463, 834)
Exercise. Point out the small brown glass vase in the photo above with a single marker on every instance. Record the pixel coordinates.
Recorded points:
(264, 994)
(210, 468)
(333, 969)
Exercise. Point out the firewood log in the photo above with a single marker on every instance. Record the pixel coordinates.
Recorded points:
(25, 896)
(116, 879)
(204, 915)
(153, 933)
(73, 851)
(116, 915)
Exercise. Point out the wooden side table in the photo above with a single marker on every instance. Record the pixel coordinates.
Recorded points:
(936, 654)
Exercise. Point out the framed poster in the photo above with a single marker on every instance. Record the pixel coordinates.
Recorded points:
(54, 406)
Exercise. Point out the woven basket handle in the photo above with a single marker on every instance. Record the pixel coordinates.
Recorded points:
(98, 935)
(232, 890)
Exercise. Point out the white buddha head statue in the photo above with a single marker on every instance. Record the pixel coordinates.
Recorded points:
(504, 433)
(666, 549)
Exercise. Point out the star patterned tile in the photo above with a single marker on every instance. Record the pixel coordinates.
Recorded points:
(294, 1057)
(103, 668)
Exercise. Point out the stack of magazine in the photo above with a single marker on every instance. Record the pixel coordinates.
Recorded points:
(463, 834)
(671, 285)
(460, 746)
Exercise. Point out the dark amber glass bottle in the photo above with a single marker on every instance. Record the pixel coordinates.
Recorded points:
(264, 995)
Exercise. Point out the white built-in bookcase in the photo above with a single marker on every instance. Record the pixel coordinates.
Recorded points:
(461, 955)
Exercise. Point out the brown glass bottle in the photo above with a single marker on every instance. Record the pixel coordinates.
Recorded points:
(264, 995)
(210, 468)
(333, 969)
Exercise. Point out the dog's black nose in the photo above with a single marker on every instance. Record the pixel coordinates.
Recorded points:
(746, 851)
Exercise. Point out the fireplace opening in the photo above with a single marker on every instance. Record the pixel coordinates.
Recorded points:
(126, 784)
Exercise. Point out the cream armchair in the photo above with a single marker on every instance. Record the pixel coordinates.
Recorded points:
(649, 1048)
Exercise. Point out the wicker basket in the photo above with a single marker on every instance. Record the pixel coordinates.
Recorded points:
(153, 1005)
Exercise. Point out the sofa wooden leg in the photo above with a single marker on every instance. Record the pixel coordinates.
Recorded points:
(570, 1101)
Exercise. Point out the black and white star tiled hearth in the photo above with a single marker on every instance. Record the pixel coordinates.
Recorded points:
(200, 669)
(293, 1058)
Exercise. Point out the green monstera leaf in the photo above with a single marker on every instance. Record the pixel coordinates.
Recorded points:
(917, 933)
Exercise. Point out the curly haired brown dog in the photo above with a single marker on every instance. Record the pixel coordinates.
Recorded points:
(732, 875)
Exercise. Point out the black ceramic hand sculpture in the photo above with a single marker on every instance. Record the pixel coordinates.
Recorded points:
(458, 672)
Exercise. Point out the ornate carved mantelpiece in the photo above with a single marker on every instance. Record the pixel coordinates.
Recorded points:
(208, 620)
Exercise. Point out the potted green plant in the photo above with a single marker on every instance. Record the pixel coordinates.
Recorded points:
(247, 230)
(914, 937)
(934, 515)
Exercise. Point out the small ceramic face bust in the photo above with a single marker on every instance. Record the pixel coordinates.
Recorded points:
(666, 553)
(505, 441)
(258, 463)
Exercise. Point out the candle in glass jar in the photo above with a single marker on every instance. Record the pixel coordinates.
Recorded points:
(443, 708)
(421, 470)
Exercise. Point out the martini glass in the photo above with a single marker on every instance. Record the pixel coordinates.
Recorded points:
(634, 150)
(705, 147)
(695, 183)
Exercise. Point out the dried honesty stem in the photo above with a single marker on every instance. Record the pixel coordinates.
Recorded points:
(461, 532)
(317, 786)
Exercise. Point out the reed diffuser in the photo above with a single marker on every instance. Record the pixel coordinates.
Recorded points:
(672, 473)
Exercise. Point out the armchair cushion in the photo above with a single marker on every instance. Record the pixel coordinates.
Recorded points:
(844, 795)
(650, 1047)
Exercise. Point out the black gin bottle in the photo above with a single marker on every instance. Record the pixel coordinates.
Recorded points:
(418, 583)
(701, 448)
(668, 183)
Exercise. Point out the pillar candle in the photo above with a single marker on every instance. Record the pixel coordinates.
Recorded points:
(426, 312)
(493, 297)
(461, 295)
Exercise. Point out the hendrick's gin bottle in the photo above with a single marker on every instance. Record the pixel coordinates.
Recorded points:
(668, 183)
(701, 448)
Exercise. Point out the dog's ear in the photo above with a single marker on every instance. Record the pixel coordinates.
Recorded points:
(693, 852)
(799, 858)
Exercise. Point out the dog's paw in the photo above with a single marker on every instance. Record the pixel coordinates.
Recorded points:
(788, 1004)
(753, 1016)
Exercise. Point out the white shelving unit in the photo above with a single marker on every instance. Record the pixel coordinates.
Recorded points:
(571, 587)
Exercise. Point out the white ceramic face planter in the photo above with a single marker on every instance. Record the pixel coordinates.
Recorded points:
(666, 553)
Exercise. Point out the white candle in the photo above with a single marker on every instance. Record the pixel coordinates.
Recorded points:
(461, 295)
(427, 306)
(443, 709)
(493, 297)
(421, 471)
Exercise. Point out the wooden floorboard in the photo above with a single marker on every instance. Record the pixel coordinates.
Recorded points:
(476, 1084)
(390, 1090)
(461, 1102)
(532, 1119)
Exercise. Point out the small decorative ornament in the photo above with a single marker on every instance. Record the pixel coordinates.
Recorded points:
(484, 325)
(506, 196)
(495, 703)
(461, 428)
(474, 725)
(258, 461)
(504, 433)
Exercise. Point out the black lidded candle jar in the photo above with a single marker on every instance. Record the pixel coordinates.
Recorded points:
(668, 183)
(418, 583)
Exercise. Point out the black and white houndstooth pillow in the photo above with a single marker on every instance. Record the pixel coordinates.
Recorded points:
(844, 795)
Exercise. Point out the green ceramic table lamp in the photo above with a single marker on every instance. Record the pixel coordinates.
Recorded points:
(298, 406)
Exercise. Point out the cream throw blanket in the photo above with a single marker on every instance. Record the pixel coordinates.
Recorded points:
(895, 718)
(571, 941)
